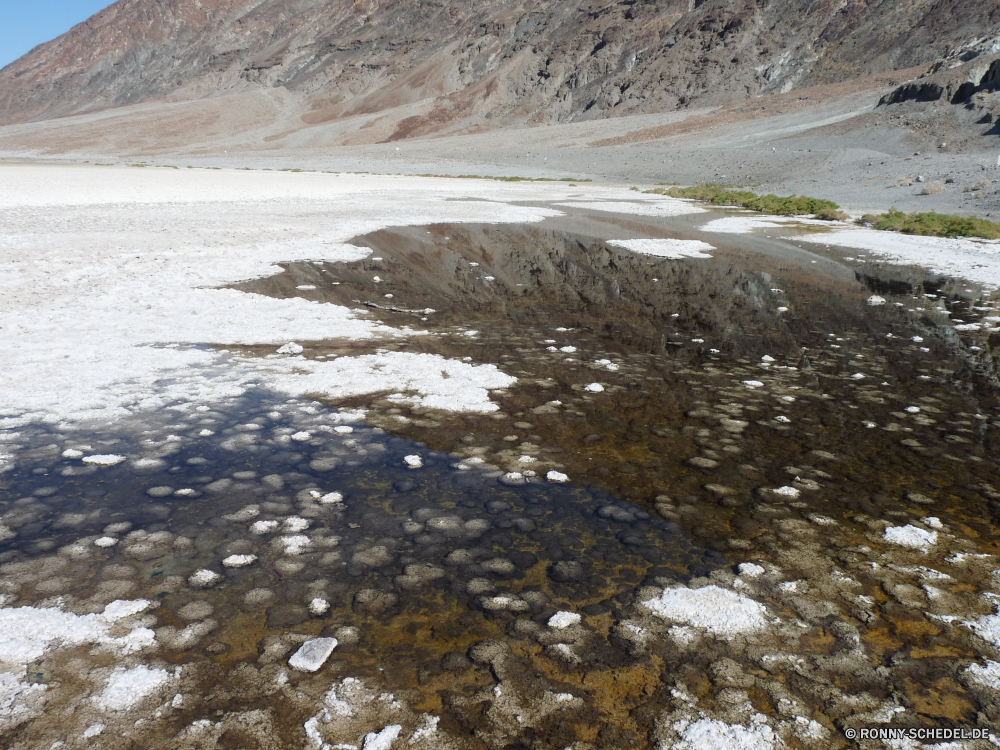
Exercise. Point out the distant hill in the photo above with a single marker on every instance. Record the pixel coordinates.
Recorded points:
(486, 62)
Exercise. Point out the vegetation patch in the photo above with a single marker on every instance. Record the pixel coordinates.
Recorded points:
(724, 195)
(932, 224)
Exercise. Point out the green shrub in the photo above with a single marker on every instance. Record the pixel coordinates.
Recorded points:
(932, 224)
(724, 195)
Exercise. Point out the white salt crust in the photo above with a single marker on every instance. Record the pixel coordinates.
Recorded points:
(563, 620)
(109, 459)
(204, 578)
(988, 676)
(911, 536)
(743, 224)
(711, 734)
(28, 633)
(111, 277)
(382, 740)
(669, 249)
(719, 611)
(128, 687)
(987, 627)
(239, 561)
(19, 700)
(975, 260)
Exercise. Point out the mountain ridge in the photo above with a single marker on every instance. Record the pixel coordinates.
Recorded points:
(478, 64)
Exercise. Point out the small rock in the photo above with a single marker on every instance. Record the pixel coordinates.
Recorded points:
(318, 606)
(373, 557)
(562, 620)
(700, 462)
(916, 497)
(567, 571)
(513, 479)
(374, 601)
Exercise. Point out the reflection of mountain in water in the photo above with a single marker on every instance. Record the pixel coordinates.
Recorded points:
(485, 275)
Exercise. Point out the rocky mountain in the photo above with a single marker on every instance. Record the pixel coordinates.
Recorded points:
(487, 62)
(968, 78)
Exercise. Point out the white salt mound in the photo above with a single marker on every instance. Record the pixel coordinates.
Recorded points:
(564, 619)
(911, 536)
(290, 348)
(127, 687)
(312, 654)
(557, 476)
(382, 740)
(787, 491)
(204, 578)
(108, 459)
(239, 561)
(719, 611)
(750, 570)
(28, 633)
(710, 734)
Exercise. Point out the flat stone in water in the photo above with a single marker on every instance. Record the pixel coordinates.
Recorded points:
(313, 654)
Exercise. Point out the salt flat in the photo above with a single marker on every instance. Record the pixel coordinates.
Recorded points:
(110, 279)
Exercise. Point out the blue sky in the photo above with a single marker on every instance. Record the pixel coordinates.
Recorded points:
(27, 23)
